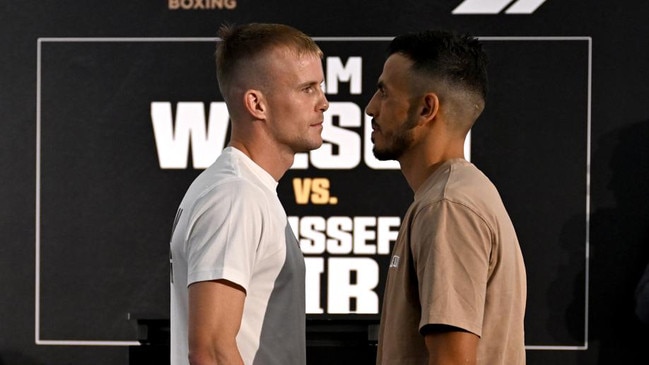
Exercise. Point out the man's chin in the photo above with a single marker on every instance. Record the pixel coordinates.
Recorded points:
(383, 155)
(310, 147)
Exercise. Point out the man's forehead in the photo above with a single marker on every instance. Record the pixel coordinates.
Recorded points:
(397, 63)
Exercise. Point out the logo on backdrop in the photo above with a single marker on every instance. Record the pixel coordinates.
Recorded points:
(497, 6)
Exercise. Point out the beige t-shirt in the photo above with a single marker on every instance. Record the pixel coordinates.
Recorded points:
(456, 262)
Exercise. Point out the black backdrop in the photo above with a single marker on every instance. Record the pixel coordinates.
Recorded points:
(86, 207)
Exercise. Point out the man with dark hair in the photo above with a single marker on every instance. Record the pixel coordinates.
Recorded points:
(456, 286)
(237, 283)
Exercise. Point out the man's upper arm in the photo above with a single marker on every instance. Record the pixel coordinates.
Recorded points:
(225, 232)
(448, 345)
(215, 311)
(451, 251)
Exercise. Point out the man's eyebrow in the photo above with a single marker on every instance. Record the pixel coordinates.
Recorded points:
(310, 83)
(380, 85)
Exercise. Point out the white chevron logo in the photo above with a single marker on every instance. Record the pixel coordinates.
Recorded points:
(497, 6)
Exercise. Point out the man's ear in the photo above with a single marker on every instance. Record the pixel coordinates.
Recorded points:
(255, 103)
(430, 106)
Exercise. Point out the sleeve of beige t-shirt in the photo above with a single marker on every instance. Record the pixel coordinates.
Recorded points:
(451, 247)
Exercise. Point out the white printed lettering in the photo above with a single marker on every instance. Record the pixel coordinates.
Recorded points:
(314, 269)
(341, 289)
(352, 73)
(172, 142)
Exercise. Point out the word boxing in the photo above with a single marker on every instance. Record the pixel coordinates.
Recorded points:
(202, 4)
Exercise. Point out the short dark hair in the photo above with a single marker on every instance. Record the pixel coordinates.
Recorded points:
(244, 42)
(457, 59)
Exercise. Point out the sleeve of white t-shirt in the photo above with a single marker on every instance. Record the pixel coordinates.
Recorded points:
(225, 234)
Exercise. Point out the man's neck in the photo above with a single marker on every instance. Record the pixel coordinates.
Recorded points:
(418, 165)
(272, 160)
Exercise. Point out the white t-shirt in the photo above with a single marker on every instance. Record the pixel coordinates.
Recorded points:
(231, 225)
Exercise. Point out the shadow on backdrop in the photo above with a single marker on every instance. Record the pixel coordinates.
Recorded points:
(619, 248)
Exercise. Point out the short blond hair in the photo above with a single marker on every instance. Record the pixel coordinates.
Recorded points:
(250, 41)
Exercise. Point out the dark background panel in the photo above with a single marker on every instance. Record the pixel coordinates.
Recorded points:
(101, 189)
(103, 197)
(532, 141)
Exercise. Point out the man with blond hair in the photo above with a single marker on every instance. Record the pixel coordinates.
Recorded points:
(237, 290)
